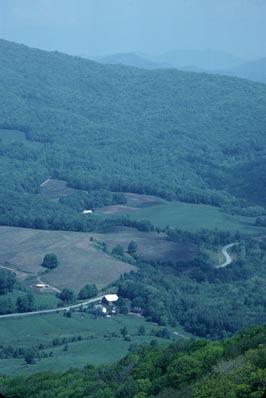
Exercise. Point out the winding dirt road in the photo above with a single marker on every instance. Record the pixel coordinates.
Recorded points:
(228, 258)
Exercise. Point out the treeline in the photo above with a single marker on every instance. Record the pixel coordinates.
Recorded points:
(23, 303)
(7, 281)
(209, 237)
(248, 211)
(185, 369)
(190, 195)
(91, 200)
(30, 354)
(26, 211)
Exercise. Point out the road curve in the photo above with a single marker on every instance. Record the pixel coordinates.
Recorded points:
(21, 314)
(228, 258)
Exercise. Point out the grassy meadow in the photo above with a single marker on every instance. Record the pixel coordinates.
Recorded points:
(193, 217)
(185, 216)
(101, 340)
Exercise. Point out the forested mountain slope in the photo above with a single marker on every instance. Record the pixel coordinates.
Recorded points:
(232, 368)
(176, 134)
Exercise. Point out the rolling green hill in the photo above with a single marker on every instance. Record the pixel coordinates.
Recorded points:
(180, 135)
(232, 368)
(98, 134)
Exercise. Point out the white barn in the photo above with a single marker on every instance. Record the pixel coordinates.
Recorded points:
(110, 299)
(87, 212)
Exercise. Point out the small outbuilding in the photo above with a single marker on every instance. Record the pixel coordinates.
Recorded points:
(41, 285)
(99, 309)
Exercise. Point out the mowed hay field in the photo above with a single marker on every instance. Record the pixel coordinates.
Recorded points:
(193, 217)
(151, 246)
(80, 261)
(100, 340)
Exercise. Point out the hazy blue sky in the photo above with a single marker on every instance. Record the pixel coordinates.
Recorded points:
(99, 27)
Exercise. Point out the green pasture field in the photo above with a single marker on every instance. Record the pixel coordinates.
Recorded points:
(101, 340)
(80, 261)
(193, 217)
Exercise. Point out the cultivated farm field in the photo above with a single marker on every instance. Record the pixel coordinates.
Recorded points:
(151, 246)
(80, 261)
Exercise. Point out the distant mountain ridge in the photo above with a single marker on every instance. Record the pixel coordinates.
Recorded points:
(194, 61)
(255, 70)
(134, 60)
(207, 60)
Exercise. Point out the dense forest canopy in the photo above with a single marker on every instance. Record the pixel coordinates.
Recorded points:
(180, 135)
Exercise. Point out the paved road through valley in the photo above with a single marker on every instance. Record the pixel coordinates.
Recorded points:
(20, 314)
